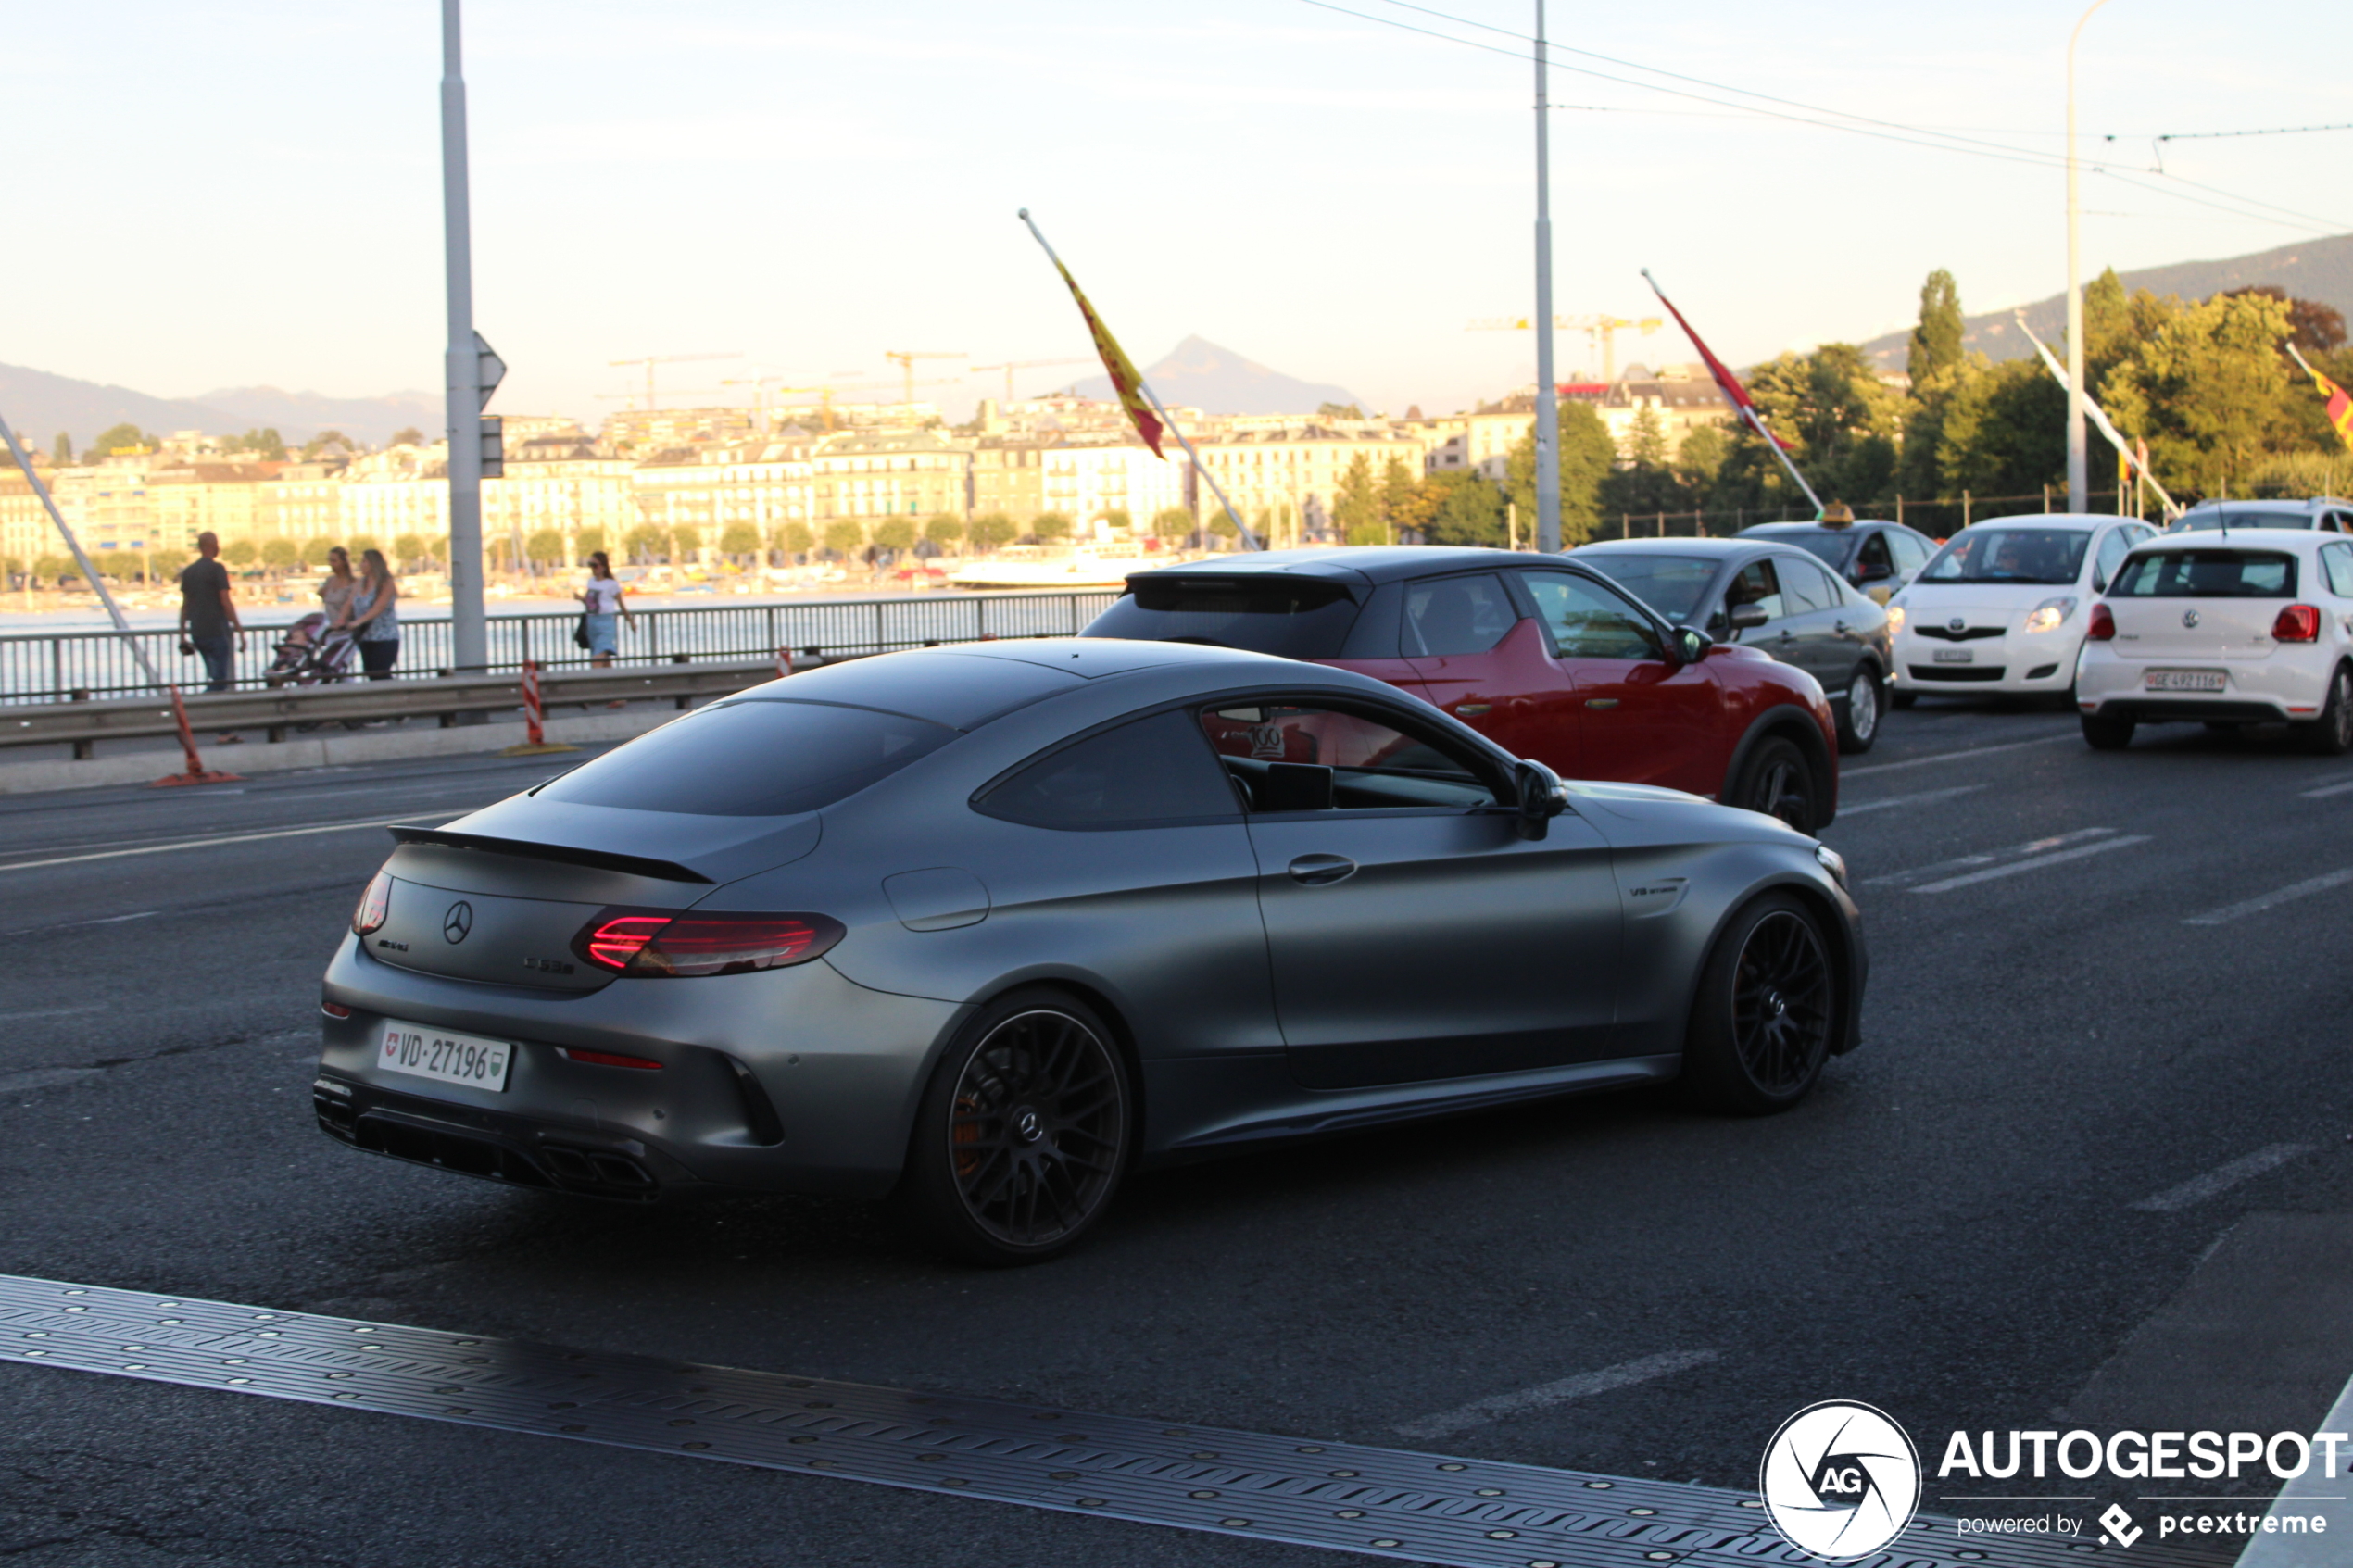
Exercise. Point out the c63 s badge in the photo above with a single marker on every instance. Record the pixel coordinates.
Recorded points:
(1841, 1480)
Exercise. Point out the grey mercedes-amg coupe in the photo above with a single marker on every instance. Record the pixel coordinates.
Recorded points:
(987, 927)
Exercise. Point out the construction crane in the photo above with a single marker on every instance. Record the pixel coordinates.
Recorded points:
(826, 392)
(1010, 366)
(1601, 333)
(649, 362)
(906, 359)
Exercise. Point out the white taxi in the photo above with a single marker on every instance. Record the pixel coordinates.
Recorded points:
(2003, 607)
(2252, 626)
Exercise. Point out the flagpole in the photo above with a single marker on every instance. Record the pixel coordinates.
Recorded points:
(1548, 424)
(2100, 417)
(1748, 415)
(114, 611)
(1249, 539)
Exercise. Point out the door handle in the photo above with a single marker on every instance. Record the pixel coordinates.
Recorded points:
(1601, 702)
(1840, 626)
(1321, 870)
(1473, 709)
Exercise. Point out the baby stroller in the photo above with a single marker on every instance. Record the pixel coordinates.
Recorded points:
(311, 654)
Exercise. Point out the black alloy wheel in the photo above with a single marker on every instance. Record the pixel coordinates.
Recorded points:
(2330, 734)
(1767, 1002)
(1859, 726)
(1777, 781)
(1023, 1133)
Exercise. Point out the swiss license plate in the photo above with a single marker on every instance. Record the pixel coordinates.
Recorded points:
(422, 1051)
(1955, 656)
(2181, 679)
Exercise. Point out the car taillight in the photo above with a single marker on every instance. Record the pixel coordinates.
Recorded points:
(2297, 624)
(375, 905)
(651, 946)
(2102, 627)
(609, 1058)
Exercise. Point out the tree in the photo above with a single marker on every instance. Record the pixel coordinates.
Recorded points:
(1047, 527)
(1647, 482)
(240, 552)
(1587, 454)
(359, 544)
(1936, 341)
(1405, 508)
(1357, 509)
(684, 540)
(263, 444)
(1173, 522)
(844, 538)
(738, 539)
(944, 530)
(62, 447)
(325, 439)
(279, 554)
(642, 542)
(1468, 509)
(794, 538)
(992, 529)
(408, 436)
(587, 542)
(2209, 393)
(2004, 431)
(1119, 519)
(121, 438)
(544, 548)
(53, 569)
(2310, 324)
(896, 533)
(407, 549)
(1339, 411)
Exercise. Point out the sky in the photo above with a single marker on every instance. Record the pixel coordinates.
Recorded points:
(242, 192)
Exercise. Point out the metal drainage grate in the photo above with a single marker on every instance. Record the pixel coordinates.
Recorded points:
(1377, 1501)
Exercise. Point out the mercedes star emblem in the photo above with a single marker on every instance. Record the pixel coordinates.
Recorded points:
(458, 921)
(2189, 618)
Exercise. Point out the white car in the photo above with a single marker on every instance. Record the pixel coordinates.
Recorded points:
(2253, 626)
(2003, 607)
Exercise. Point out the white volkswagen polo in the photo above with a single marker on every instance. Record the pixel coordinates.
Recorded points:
(2253, 626)
(2003, 605)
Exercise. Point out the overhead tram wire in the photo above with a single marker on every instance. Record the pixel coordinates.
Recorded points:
(1878, 129)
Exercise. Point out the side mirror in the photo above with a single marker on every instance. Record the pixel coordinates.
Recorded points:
(1688, 644)
(1748, 617)
(1541, 799)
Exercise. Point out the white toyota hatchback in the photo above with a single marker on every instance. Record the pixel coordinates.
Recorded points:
(2253, 626)
(2003, 605)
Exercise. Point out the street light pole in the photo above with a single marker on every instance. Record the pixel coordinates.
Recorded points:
(2077, 457)
(1548, 456)
(469, 631)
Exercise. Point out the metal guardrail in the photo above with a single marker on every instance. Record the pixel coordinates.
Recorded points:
(44, 667)
(84, 724)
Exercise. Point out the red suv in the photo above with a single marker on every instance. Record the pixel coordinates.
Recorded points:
(1540, 653)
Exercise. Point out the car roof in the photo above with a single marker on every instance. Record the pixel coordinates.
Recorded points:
(2223, 539)
(1365, 564)
(1783, 530)
(2049, 520)
(2274, 504)
(1719, 548)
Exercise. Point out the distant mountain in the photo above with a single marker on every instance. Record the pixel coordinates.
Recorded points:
(39, 406)
(1197, 373)
(2321, 270)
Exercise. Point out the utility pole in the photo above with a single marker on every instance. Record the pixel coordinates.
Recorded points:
(2078, 457)
(1548, 456)
(469, 631)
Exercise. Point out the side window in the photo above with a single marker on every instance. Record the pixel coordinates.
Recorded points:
(1146, 774)
(1452, 615)
(1587, 620)
(1291, 757)
(1910, 554)
(1875, 562)
(1757, 583)
(2113, 545)
(2338, 561)
(1805, 587)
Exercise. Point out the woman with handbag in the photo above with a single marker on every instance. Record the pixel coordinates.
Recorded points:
(371, 616)
(598, 630)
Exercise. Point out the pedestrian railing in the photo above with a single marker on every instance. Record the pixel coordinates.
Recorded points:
(79, 665)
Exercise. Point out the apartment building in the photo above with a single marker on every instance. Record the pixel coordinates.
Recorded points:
(759, 484)
(876, 473)
(1009, 475)
(1089, 483)
(1296, 471)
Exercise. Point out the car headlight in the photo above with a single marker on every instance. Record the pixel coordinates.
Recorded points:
(1895, 618)
(2047, 616)
(1833, 862)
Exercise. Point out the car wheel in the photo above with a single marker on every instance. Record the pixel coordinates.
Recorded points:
(1761, 1021)
(1858, 726)
(2332, 733)
(1776, 781)
(1902, 699)
(2108, 734)
(1023, 1133)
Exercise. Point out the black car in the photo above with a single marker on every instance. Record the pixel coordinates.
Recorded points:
(1769, 595)
(1875, 556)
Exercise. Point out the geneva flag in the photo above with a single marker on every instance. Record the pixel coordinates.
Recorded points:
(2340, 405)
(1124, 379)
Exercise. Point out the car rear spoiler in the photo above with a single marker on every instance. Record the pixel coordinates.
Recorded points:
(572, 855)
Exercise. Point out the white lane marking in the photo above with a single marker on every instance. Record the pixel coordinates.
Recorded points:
(1986, 857)
(49, 1012)
(42, 1078)
(218, 838)
(2037, 863)
(1952, 756)
(1845, 810)
(2222, 1178)
(2256, 906)
(2326, 790)
(1478, 1413)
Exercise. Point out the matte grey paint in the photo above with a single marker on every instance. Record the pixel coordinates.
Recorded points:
(1252, 1006)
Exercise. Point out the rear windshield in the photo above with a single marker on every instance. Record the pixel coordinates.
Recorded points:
(1295, 617)
(1832, 547)
(756, 759)
(1670, 584)
(1987, 554)
(2203, 521)
(2206, 574)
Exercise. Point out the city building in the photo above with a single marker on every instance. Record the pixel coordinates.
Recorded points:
(1089, 483)
(872, 474)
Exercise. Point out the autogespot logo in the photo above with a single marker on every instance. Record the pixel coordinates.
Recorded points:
(1840, 1479)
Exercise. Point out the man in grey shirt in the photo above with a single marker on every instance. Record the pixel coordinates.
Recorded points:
(208, 616)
